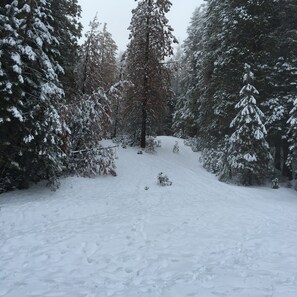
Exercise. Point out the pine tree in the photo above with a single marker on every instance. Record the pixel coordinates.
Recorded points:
(65, 21)
(212, 86)
(108, 49)
(292, 158)
(282, 81)
(97, 72)
(30, 87)
(262, 32)
(150, 43)
(89, 70)
(187, 110)
(235, 32)
(11, 114)
(88, 116)
(248, 155)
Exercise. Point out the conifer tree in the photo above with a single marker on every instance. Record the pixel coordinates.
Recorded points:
(282, 80)
(89, 70)
(212, 86)
(264, 33)
(187, 110)
(90, 108)
(11, 114)
(235, 31)
(65, 21)
(248, 155)
(108, 49)
(150, 43)
(29, 85)
(292, 158)
(89, 115)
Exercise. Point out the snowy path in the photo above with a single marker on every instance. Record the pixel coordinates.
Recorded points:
(110, 237)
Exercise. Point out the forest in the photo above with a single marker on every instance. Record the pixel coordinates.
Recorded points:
(230, 89)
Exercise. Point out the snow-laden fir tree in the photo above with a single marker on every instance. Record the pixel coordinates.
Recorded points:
(178, 73)
(117, 93)
(248, 156)
(89, 115)
(30, 125)
(292, 158)
(65, 21)
(88, 66)
(187, 109)
(11, 115)
(108, 58)
(212, 86)
(282, 80)
(150, 43)
(264, 32)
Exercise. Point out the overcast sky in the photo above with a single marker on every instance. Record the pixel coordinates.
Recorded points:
(117, 15)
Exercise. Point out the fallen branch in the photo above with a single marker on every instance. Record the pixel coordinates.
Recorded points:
(88, 150)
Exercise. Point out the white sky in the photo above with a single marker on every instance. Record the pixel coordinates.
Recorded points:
(117, 15)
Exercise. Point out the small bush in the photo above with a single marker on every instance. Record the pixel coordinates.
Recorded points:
(163, 180)
(175, 147)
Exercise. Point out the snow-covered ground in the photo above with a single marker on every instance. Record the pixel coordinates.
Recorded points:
(108, 236)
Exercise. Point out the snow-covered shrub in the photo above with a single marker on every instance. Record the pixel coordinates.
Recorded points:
(6, 184)
(212, 159)
(194, 143)
(158, 144)
(274, 183)
(123, 141)
(92, 162)
(163, 179)
(151, 144)
(176, 147)
(88, 118)
(106, 163)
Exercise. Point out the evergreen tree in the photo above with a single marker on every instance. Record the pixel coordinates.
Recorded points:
(11, 114)
(187, 110)
(282, 80)
(235, 31)
(30, 89)
(88, 116)
(65, 21)
(248, 155)
(89, 70)
(108, 49)
(212, 89)
(292, 158)
(150, 43)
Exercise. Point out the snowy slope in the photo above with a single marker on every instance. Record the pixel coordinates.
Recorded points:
(109, 237)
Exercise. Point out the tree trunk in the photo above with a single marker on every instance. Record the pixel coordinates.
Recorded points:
(145, 80)
(143, 126)
(116, 121)
(277, 156)
(287, 172)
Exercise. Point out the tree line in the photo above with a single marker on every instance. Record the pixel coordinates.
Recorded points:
(231, 86)
(59, 98)
(223, 37)
(55, 93)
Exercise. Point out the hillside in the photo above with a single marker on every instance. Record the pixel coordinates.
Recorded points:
(108, 236)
